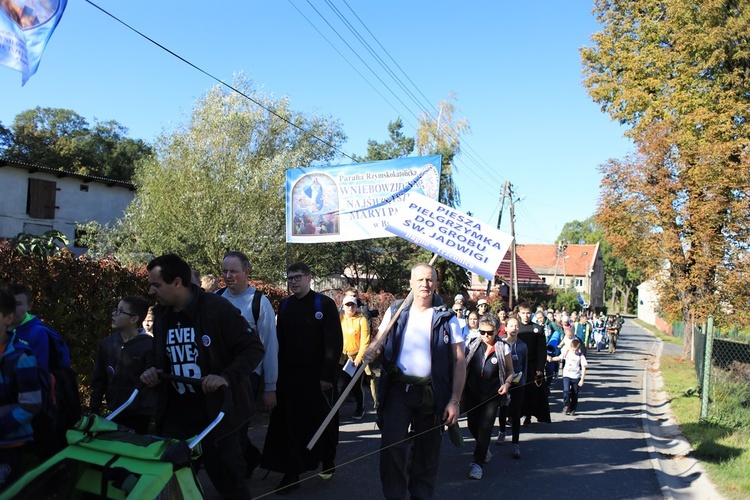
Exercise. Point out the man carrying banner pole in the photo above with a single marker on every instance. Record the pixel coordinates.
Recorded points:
(420, 386)
(375, 345)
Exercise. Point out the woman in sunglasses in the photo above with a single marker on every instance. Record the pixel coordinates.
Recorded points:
(489, 372)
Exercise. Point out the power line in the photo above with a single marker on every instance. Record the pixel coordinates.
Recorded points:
(347, 61)
(467, 150)
(362, 60)
(282, 118)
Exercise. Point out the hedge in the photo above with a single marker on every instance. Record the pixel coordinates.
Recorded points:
(74, 296)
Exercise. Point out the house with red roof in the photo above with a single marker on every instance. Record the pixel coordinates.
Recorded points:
(526, 277)
(576, 267)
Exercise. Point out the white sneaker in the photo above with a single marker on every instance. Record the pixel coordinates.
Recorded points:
(475, 471)
(488, 457)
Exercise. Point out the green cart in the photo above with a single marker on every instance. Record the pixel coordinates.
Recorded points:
(105, 460)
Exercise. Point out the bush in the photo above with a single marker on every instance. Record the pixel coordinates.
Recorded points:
(75, 296)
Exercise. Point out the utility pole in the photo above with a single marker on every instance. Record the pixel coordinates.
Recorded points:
(506, 185)
(513, 268)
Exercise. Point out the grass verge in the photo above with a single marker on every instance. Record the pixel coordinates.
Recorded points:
(651, 328)
(724, 451)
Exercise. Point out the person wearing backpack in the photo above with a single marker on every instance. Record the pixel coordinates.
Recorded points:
(31, 331)
(20, 395)
(120, 360)
(258, 311)
(310, 345)
(53, 355)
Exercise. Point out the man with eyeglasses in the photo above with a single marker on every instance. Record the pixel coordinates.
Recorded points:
(202, 336)
(120, 360)
(310, 345)
(421, 385)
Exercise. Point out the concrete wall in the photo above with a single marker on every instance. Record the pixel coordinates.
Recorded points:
(78, 201)
(647, 302)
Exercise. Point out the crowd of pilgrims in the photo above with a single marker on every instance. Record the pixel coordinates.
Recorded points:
(514, 360)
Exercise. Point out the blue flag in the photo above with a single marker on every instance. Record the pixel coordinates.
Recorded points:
(25, 28)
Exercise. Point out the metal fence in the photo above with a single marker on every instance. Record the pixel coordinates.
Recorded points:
(722, 363)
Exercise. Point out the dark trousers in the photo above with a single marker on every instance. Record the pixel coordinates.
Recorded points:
(400, 409)
(570, 392)
(514, 410)
(222, 457)
(481, 419)
(356, 390)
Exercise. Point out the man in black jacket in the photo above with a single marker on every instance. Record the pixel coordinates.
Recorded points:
(201, 335)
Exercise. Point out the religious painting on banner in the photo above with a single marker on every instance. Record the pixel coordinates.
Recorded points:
(354, 202)
(455, 236)
(25, 29)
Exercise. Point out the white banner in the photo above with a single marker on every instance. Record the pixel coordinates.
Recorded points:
(354, 202)
(456, 236)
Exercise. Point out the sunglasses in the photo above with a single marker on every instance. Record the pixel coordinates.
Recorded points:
(487, 332)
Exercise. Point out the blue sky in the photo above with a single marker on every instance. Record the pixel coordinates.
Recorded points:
(514, 66)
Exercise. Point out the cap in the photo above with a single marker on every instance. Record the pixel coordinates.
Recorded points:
(349, 299)
(458, 297)
(482, 301)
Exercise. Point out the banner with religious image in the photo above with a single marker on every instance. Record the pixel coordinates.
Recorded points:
(25, 29)
(455, 236)
(356, 201)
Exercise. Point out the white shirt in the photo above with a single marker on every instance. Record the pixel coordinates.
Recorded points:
(415, 358)
(266, 329)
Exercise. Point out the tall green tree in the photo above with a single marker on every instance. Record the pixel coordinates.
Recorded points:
(217, 182)
(397, 145)
(676, 73)
(63, 139)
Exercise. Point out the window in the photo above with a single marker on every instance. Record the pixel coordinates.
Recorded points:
(579, 281)
(560, 282)
(544, 279)
(40, 199)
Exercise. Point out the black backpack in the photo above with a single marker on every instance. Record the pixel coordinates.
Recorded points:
(67, 396)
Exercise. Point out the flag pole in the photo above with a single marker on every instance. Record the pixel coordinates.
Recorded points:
(406, 303)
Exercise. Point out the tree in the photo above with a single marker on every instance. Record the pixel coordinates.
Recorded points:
(441, 134)
(6, 138)
(62, 139)
(217, 183)
(676, 74)
(397, 146)
(586, 232)
(619, 278)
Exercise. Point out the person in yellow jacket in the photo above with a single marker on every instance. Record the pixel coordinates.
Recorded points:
(356, 339)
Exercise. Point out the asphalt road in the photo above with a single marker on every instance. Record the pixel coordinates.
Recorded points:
(600, 452)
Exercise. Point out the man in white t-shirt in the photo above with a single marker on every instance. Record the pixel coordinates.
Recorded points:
(423, 377)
